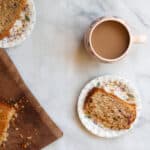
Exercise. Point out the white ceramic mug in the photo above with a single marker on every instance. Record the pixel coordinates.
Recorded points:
(88, 36)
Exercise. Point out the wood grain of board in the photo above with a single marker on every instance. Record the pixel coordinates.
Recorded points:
(33, 129)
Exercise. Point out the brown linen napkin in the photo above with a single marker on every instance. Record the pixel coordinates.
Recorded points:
(32, 129)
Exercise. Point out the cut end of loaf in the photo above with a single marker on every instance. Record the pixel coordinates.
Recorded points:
(6, 114)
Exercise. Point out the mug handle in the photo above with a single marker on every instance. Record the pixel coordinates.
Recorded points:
(139, 39)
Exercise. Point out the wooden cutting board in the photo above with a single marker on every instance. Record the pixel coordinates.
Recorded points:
(32, 129)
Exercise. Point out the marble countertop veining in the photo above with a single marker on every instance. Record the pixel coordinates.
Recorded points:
(55, 66)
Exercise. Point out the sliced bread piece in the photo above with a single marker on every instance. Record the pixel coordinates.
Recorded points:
(10, 11)
(108, 110)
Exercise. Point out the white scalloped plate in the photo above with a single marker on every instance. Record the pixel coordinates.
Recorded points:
(98, 130)
(22, 27)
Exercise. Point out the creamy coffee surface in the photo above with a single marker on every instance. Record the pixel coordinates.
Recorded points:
(110, 39)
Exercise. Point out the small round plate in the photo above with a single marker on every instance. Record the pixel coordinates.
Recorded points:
(22, 27)
(103, 82)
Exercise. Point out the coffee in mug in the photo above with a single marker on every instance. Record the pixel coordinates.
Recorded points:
(109, 39)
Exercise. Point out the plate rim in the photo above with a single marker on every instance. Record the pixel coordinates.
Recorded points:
(27, 32)
(129, 84)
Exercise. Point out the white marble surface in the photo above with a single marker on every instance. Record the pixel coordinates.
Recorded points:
(55, 67)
